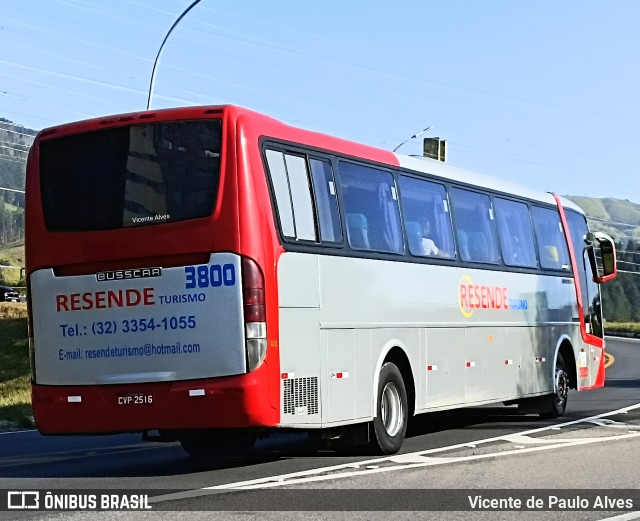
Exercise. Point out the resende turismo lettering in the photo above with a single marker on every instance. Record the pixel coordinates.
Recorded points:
(105, 299)
(479, 296)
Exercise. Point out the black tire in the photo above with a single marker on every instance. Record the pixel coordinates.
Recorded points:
(207, 444)
(557, 402)
(390, 423)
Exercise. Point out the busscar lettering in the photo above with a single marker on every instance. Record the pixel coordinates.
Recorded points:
(105, 299)
(128, 274)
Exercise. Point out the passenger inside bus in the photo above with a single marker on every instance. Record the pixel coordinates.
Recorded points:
(358, 230)
(550, 257)
(428, 245)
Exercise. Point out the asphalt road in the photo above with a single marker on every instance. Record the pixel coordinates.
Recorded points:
(473, 450)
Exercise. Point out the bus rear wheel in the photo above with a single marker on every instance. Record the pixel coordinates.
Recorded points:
(210, 444)
(557, 402)
(390, 423)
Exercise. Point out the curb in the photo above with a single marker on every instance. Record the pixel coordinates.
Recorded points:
(622, 334)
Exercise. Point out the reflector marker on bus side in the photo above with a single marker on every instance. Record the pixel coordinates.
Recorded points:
(540, 359)
(287, 376)
(471, 364)
(74, 399)
(339, 375)
(508, 362)
(196, 392)
(432, 368)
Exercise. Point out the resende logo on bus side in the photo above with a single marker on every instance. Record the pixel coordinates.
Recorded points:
(473, 296)
(480, 296)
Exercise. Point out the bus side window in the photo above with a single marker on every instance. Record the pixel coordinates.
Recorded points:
(552, 243)
(427, 224)
(516, 234)
(474, 226)
(326, 202)
(301, 197)
(280, 183)
(290, 180)
(371, 205)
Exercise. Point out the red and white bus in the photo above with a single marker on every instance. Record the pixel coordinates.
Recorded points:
(211, 274)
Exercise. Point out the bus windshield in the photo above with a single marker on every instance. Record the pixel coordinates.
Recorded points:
(130, 176)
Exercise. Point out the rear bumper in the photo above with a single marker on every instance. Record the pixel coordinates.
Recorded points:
(229, 402)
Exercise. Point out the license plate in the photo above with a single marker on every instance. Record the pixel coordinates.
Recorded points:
(135, 399)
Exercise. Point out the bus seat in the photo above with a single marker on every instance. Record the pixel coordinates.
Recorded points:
(358, 230)
(478, 247)
(414, 237)
(550, 257)
(463, 245)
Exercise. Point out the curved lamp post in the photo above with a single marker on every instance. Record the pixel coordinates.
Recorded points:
(155, 63)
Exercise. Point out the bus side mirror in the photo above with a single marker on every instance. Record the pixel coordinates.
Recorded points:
(603, 263)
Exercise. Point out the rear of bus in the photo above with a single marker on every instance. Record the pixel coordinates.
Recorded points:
(146, 278)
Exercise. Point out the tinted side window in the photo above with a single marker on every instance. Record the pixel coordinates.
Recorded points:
(290, 180)
(326, 203)
(516, 234)
(280, 183)
(370, 208)
(427, 222)
(590, 292)
(474, 226)
(552, 244)
(578, 230)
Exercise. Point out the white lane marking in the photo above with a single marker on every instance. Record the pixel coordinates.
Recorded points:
(285, 479)
(623, 517)
(528, 440)
(609, 423)
(428, 462)
(411, 460)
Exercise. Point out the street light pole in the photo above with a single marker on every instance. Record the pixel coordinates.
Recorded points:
(155, 63)
(413, 137)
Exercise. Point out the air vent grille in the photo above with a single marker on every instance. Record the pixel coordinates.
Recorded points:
(301, 396)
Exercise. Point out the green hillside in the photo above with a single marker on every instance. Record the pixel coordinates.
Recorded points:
(620, 219)
(617, 217)
(15, 142)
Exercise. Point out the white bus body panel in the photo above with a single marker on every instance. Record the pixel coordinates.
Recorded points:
(168, 331)
(339, 316)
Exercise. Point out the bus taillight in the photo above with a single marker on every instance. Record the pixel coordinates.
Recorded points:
(254, 313)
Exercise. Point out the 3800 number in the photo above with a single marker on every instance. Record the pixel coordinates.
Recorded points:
(210, 276)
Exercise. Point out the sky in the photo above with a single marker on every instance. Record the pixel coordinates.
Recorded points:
(539, 92)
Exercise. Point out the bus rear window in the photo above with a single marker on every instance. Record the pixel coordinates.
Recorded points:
(130, 176)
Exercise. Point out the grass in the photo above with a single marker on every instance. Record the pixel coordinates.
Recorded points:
(15, 387)
(622, 327)
(12, 255)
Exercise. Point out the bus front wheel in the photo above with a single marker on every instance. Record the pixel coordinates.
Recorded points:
(390, 423)
(557, 402)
